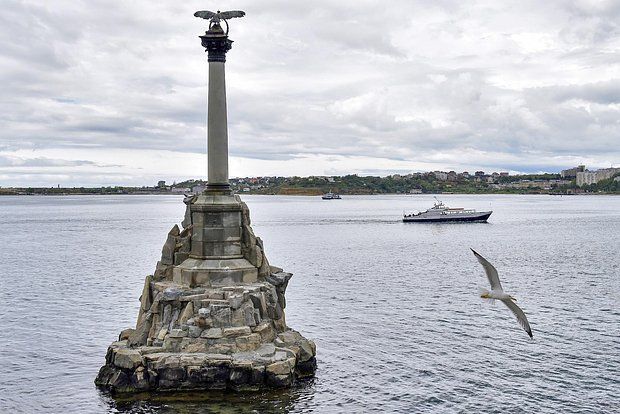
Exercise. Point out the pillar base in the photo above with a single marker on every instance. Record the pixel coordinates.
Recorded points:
(210, 272)
(223, 189)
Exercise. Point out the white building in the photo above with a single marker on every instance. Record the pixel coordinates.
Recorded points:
(592, 177)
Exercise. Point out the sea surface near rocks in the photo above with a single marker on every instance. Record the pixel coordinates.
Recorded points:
(393, 307)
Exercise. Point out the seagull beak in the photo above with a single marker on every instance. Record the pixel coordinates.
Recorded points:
(513, 298)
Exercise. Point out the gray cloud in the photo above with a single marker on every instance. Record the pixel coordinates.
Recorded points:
(416, 82)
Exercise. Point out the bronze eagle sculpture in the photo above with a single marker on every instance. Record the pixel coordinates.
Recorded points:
(216, 17)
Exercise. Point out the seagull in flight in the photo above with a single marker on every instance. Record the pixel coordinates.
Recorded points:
(498, 293)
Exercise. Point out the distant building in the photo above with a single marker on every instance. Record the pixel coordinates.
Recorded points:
(504, 174)
(465, 174)
(592, 177)
(479, 174)
(161, 184)
(452, 176)
(572, 172)
(607, 173)
(180, 190)
(440, 175)
(415, 191)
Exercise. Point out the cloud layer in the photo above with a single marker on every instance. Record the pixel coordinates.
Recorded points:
(102, 93)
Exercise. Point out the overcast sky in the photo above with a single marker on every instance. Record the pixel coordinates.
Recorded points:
(114, 92)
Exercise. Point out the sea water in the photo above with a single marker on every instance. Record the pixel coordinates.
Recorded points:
(393, 307)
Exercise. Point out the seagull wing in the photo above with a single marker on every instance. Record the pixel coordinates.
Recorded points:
(204, 14)
(490, 271)
(521, 318)
(231, 13)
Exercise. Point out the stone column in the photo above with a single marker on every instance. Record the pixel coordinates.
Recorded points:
(216, 43)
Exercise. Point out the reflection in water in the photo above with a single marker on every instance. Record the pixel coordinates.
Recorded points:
(216, 402)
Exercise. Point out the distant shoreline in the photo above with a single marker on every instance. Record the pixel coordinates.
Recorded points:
(300, 194)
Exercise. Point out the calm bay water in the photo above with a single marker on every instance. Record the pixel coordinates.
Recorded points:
(393, 307)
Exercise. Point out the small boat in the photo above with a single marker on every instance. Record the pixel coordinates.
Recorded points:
(330, 196)
(441, 213)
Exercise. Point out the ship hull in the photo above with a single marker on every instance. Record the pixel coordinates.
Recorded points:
(477, 217)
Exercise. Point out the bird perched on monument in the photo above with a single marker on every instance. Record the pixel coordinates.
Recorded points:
(497, 292)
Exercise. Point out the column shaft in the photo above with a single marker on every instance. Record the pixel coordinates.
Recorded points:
(217, 127)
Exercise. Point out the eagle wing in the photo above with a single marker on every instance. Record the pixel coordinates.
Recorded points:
(205, 14)
(230, 14)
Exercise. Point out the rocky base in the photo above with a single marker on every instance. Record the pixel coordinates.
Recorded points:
(276, 364)
(210, 323)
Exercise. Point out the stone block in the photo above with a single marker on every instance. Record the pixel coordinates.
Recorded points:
(266, 331)
(194, 331)
(248, 342)
(222, 318)
(141, 334)
(258, 300)
(235, 301)
(215, 375)
(213, 219)
(145, 299)
(244, 316)
(180, 257)
(195, 347)
(236, 331)
(127, 358)
(212, 333)
(125, 334)
(266, 350)
(197, 248)
(232, 233)
(231, 219)
(284, 367)
(177, 333)
(226, 277)
(250, 275)
(198, 219)
(187, 314)
(172, 344)
(231, 248)
(167, 252)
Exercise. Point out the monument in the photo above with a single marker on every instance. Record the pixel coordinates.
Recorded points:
(212, 314)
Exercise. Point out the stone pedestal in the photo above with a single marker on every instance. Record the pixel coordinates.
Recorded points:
(216, 255)
(212, 314)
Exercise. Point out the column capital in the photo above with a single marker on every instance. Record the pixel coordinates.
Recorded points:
(216, 42)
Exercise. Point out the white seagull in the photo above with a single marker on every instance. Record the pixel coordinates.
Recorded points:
(498, 293)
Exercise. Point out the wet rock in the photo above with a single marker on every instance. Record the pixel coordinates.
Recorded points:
(280, 374)
(127, 358)
(125, 334)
